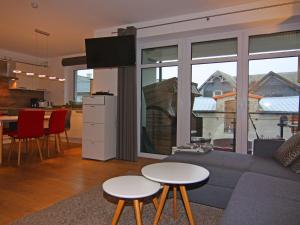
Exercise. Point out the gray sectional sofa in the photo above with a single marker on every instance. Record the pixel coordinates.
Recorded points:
(253, 190)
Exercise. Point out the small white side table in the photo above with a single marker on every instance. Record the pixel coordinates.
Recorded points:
(176, 175)
(132, 188)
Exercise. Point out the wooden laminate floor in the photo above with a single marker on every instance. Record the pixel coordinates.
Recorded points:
(36, 185)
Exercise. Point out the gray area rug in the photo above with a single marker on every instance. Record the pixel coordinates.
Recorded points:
(92, 207)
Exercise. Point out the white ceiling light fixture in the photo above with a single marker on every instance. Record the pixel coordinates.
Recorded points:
(29, 73)
(52, 78)
(61, 79)
(17, 71)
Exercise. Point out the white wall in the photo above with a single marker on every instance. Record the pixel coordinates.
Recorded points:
(55, 67)
(279, 15)
(106, 80)
(6, 54)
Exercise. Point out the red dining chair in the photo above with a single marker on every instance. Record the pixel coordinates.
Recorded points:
(56, 126)
(30, 125)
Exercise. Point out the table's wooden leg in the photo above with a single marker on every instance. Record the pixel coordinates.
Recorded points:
(186, 204)
(118, 212)
(161, 203)
(137, 211)
(141, 206)
(1, 141)
(175, 201)
(155, 202)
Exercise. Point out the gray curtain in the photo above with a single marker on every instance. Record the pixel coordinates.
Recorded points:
(127, 109)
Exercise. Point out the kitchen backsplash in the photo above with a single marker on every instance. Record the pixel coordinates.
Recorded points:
(16, 98)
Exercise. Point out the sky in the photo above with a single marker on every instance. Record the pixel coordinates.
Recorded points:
(85, 73)
(201, 72)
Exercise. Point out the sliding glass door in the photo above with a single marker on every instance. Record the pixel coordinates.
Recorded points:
(213, 95)
(273, 85)
(225, 89)
(159, 81)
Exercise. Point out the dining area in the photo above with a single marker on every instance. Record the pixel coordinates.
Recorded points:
(32, 130)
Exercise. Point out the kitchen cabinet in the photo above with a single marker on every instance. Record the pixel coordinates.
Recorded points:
(24, 82)
(99, 127)
(32, 82)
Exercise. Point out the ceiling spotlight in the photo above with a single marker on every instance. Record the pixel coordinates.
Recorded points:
(61, 79)
(30, 74)
(41, 75)
(52, 78)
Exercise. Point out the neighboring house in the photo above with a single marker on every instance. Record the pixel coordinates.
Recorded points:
(267, 85)
(218, 83)
(274, 85)
(271, 95)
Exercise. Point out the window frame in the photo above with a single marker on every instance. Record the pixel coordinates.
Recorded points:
(268, 55)
(75, 83)
(140, 66)
(214, 37)
(184, 82)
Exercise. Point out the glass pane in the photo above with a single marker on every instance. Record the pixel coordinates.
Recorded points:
(286, 41)
(159, 109)
(214, 49)
(273, 98)
(214, 104)
(82, 84)
(160, 55)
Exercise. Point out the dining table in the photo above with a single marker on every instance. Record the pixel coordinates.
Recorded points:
(8, 118)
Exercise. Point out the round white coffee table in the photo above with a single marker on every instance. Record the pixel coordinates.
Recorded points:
(176, 175)
(131, 188)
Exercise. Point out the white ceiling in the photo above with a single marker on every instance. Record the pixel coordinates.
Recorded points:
(69, 22)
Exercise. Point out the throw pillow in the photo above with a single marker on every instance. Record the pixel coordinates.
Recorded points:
(296, 166)
(289, 150)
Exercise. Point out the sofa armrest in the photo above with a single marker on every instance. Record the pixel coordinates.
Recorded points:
(266, 147)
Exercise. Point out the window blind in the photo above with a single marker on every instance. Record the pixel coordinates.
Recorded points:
(214, 49)
(160, 54)
(284, 41)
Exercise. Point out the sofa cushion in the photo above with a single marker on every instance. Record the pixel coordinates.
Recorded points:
(273, 168)
(223, 177)
(296, 166)
(221, 159)
(210, 195)
(289, 150)
(260, 199)
(258, 186)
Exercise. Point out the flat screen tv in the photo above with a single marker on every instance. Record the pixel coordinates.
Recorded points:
(110, 51)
